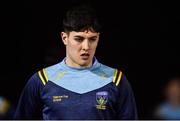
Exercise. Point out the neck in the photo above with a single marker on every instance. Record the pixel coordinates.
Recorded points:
(75, 65)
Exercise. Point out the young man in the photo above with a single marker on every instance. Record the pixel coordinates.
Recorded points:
(169, 108)
(79, 87)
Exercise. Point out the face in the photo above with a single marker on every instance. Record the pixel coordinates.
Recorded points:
(173, 91)
(80, 47)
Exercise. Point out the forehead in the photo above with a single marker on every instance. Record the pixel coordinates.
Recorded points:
(84, 34)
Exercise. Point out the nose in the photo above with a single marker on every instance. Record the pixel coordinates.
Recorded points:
(85, 45)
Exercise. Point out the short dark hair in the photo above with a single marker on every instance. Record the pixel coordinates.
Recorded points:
(80, 18)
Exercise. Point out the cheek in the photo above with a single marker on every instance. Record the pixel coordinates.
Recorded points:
(94, 47)
(74, 48)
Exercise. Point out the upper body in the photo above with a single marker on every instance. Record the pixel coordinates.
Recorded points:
(79, 87)
(169, 109)
(168, 112)
(63, 92)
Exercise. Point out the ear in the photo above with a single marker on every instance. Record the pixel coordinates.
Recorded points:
(64, 37)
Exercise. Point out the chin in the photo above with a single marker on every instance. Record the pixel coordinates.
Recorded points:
(84, 64)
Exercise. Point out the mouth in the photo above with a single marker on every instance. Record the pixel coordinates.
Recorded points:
(85, 56)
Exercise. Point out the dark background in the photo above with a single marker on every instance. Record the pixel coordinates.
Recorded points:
(139, 37)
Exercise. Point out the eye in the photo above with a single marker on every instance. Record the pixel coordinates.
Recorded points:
(78, 39)
(92, 39)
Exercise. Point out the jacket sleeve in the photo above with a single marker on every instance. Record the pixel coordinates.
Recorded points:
(30, 105)
(126, 102)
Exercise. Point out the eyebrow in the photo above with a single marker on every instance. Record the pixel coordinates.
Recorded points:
(83, 37)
